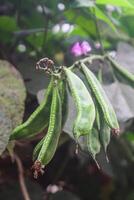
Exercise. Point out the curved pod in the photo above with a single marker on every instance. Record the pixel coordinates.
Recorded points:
(84, 104)
(122, 74)
(64, 101)
(102, 99)
(37, 121)
(50, 142)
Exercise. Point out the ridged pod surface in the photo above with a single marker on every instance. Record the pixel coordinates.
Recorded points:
(105, 135)
(93, 143)
(102, 99)
(103, 129)
(122, 74)
(84, 105)
(64, 100)
(51, 140)
(37, 121)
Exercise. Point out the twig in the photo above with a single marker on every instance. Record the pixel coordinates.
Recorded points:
(45, 34)
(98, 32)
(21, 178)
(46, 27)
(26, 32)
(88, 60)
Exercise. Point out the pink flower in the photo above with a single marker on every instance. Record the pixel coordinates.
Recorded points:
(76, 49)
(85, 47)
(79, 49)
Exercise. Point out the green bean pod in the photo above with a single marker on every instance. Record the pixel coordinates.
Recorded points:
(64, 101)
(93, 143)
(97, 119)
(38, 148)
(84, 104)
(105, 136)
(37, 121)
(102, 99)
(104, 131)
(51, 140)
(122, 74)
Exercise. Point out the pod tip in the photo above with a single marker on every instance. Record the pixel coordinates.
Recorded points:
(37, 168)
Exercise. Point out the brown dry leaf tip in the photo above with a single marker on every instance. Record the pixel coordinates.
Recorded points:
(44, 63)
(115, 131)
(37, 169)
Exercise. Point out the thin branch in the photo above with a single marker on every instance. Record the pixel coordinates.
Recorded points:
(98, 32)
(45, 34)
(26, 32)
(88, 60)
(21, 178)
(47, 19)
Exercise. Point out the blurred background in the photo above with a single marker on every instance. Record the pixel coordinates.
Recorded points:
(30, 30)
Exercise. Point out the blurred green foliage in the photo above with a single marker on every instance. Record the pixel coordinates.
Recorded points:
(49, 27)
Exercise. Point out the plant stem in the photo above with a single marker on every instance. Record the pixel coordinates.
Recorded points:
(46, 28)
(88, 60)
(21, 178)
(98, 32)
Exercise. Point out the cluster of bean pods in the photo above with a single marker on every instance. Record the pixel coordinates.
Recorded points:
(95, 120)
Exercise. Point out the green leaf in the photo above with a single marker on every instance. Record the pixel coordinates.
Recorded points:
(82, 3)
(12, 97)
(129, 136)
(8, 24)
(101, 15)
(131, 1)
(36, 39)
(78, 31)
(83, 21)
(127, 12)
(128, 24)
(122, 3)
(5, 126)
